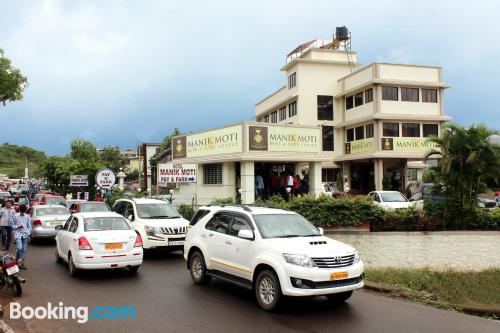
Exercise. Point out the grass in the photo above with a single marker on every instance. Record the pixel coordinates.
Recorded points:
(448, 289)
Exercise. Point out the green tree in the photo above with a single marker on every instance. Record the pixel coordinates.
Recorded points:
(12, 81)
(83, 150)
(112, 158)
(166, 142)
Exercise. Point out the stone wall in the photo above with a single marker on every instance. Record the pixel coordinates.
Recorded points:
(458, 250)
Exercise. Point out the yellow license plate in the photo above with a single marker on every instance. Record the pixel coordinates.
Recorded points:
(56, 223)
(338, 276)
(113, 246)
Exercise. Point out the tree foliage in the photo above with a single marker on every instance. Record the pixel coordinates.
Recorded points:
(112, 157)
(166, 143)
(83, 150)
(13, 160)
(12, 81)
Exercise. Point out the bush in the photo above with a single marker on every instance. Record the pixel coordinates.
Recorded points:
(186, 211)
(223, 201)
(485, 220)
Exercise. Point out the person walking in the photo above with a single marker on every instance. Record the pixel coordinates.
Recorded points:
(21, 224)
(6, 215)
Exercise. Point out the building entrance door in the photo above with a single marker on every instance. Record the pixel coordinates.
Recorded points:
(362, 177)
(273, 178)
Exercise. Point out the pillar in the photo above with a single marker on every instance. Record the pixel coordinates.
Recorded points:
(247, 172)
(315, 178)
(346, 172)
(379, 174)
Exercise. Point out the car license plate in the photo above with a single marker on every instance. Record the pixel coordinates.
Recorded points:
(113, 246)
(338, 275)
(176, 243)
(12, 270)
(54, 223)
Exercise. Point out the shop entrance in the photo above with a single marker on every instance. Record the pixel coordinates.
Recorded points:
(362, 177)
(273, 178)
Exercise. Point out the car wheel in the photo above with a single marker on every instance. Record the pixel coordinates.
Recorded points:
(58, 258)
(339, 297)
(198, 269)
(73, 271)
(268, 290)
(133, 269)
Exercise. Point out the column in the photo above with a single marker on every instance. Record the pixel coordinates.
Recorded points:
(379, 174)
(346, 172)
(247, 172)
(315, 178)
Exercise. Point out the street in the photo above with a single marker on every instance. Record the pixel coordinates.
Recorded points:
(167, 301)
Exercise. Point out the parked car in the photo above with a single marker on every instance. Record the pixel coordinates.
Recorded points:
(390, 200)
(88, 207)
(98, 241)
(4, 195)
(426, 191)
(498, 201)
(273, 252)
(49, 199)
(158, 223)
(486, 204)
(46, 218)
(73, 201)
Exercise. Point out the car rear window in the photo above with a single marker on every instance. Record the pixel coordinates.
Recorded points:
(198, 216)
(105, 223)
(48, 211)
(93, 207)
(56, 201)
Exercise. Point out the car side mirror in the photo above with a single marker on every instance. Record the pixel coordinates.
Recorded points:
(321, 231)
(246, 234)
(131, 217)
(59, 227)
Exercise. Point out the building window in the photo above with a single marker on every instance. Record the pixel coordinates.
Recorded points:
(327, 175)
(390, 129)
(390, 93)
(369, 131)
(369, 95)
(259, 119)
(350, 135)
(411, 174)
(358, 99)
(430, 130)
(411, 130)
(360, 132)
(265, 119)
(327, 138)
(292, 81)
(429, 95)
(325, 107)
(212, 174)
(283, 113)
(274, 117)
(292, 109)
(349, 102)
(409, 94)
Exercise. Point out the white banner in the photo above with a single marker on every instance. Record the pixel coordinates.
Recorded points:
(176, 173)
(79, 180)
(105, 179)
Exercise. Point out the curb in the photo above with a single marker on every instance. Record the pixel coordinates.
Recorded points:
(4, 328)
(393, 291)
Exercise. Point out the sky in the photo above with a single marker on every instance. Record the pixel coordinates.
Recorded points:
(122, 72)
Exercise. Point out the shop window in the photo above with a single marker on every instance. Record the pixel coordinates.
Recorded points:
(292, 109)
(350, 135)
(327, 138)
(429, 95)
(390, 129)
(409, 94)
(212, 174)
(325, 107)
(349, 102)
(282, 113)
(411, 130)
(327, 175)
(358, 99)
(274, 117)
(360, 132)
(368, 95)
(369, 131)
(390, 93)
(265, 119)
(430, 130)
(411, 174)
(292, 80)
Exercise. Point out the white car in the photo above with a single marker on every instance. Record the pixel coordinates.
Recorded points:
(100, 240)
(390, 200)
(158, 223)
(271, 251)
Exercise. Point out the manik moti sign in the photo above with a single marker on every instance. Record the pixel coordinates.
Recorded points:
(176, 173)
(407, 144)
(284, 139)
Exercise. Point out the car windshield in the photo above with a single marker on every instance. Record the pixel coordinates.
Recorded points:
(284, 225)
(93, 207)
(156, 211)
(21, 200)
(56, 201)
(392, 197)
(47, 211)
(105, 223)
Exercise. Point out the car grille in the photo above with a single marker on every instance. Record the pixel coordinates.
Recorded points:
(173, 230)
(334, 262)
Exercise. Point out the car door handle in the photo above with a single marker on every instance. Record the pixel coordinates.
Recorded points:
(228, 242)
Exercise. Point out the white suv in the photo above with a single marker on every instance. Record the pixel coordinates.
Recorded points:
(156, 221)
(274, 252)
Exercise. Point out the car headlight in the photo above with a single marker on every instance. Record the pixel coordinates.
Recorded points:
(299, 260)
(356, 257)
(149, 230)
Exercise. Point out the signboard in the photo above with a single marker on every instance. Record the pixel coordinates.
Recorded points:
(105, 179)
(79, 180)
(176, 173)
(407, 144)
(360, 146)
(284, 139)
(221, 141)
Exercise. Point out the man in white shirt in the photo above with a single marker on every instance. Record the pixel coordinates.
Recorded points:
(6, 215)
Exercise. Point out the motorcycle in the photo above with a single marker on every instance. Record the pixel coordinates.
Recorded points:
(9, 274)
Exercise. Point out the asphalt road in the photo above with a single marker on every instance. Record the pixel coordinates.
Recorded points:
(167, 301)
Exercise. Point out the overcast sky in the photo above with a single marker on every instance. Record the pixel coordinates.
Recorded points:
(122, 72)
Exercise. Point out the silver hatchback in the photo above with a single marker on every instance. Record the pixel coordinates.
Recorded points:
(45, 218)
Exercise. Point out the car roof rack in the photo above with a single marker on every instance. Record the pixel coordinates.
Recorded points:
(245, 207)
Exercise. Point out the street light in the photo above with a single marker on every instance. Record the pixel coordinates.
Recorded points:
(288, 193)
(171, 199)
(239, 195)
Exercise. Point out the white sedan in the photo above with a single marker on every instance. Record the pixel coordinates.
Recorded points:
(390, 200)
(101, 240)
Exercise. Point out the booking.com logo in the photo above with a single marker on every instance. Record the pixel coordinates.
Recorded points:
(81, 314)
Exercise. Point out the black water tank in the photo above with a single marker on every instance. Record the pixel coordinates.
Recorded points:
(341, 33)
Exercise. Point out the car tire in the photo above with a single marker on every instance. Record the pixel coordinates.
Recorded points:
(268, 290)
(57, 257)
(339, 297)
(198, 269)
(133, 269)
(73, 271)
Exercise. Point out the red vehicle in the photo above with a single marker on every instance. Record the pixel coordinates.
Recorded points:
(49, 199)
(89, 207)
